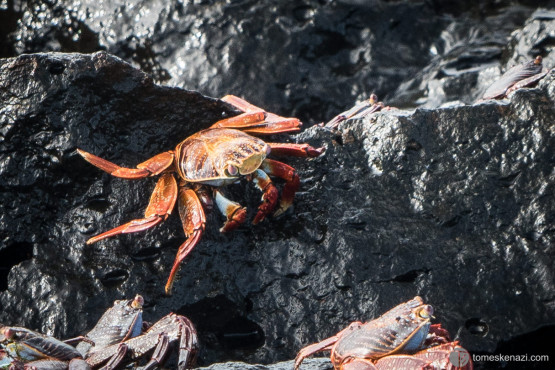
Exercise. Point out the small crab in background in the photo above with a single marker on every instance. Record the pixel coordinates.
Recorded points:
(360, 110)
(522, 75)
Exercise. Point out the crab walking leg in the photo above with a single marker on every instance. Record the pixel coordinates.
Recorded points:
(117, 358)
(363, 108)
(46, 364)
(295, 150)
(361, 364)
(325, 345)
(193, 220)
(307, 351)
(241, 104)
(188, 343)
(159, 353)
(159, 208)
(292, 182)
(187, 347)
(242, 120)
(235, 214)
(270, 123)
(150, 167)
(269, 194)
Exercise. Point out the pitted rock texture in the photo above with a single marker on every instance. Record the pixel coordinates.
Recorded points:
(453, 204)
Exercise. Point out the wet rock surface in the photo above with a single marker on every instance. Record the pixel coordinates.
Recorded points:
(454, 204)
(282, 55)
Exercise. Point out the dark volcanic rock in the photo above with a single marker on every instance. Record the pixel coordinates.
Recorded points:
(453, 204)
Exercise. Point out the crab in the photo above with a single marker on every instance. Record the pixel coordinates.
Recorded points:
(117, 339)
(519, 76)
(20, 345)
(360, 110)
(403, 338)
(204, 162)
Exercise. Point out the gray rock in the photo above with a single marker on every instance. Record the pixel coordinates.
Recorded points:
(308, 364)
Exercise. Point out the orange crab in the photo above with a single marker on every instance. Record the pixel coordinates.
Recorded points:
(214, 157)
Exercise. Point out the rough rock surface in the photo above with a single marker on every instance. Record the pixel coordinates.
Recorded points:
(283, 55)
(454, 204)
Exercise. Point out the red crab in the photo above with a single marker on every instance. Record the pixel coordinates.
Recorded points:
(400, 339)
(207, 160)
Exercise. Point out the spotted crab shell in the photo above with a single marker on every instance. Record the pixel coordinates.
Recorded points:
(399, 329)
(204, 156)
(122, 321)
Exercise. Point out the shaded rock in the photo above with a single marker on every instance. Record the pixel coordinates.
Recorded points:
(473, 53)
(280, 55)
(284, 55)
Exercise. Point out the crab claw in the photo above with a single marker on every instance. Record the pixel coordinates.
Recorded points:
(235, 214)
(269, 195)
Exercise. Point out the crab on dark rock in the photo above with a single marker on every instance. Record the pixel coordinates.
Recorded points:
(401, 339)
(204, 162)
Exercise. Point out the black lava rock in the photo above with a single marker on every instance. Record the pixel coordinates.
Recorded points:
(454, 203)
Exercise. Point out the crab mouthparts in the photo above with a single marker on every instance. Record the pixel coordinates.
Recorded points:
(250, 164)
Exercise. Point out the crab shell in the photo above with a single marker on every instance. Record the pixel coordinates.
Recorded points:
(28, 345)
(207, 156)
(530, 71)
(122, 321)
(402, 329)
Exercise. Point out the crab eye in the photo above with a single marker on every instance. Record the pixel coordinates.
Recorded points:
(138, 302)
(426, 312)
(7, 333)
(231, 170)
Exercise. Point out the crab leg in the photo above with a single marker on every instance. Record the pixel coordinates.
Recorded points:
(287, 173)
(360, 110)
(193, 220)
(233, 211)
(188, 343)
(325, 345)
(295, 150)
(159, 352)
(150, 167)
(309, 350)
(159, 208)
(269, 123)
(269, 194)
(187, 346)
(117, 358)
(361, 364)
